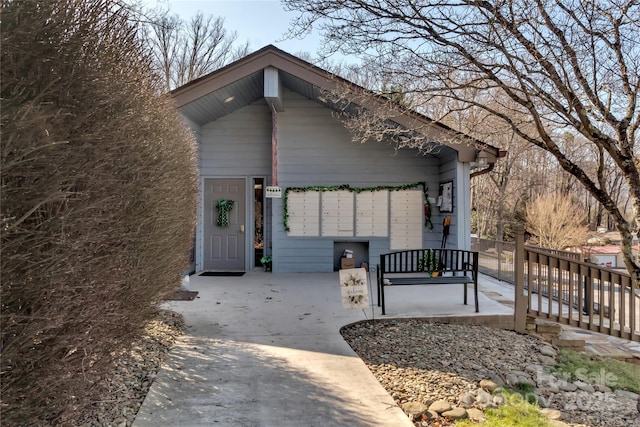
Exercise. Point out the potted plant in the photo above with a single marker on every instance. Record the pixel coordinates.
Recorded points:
(266, 262)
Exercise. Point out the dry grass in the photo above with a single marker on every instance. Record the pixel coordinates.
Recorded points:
(98, 201)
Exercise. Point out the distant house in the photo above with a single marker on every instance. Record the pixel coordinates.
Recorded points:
(607, 256)
(281, 176)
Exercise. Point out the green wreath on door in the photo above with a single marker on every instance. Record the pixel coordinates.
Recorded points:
(223, 206)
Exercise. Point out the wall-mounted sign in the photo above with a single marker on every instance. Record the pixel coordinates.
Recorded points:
(273, 192)
(445, 197)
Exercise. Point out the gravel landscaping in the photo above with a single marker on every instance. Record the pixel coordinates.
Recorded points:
(440, 372)
(133, 374)
(436, 372)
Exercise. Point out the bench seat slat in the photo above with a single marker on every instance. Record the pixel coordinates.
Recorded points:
(447, 280)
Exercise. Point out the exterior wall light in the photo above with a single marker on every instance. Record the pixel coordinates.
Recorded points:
(482, 159)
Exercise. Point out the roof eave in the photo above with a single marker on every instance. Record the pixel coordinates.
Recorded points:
(271, 56)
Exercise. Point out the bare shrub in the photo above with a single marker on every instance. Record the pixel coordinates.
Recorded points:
(556, 222)
(98, 201)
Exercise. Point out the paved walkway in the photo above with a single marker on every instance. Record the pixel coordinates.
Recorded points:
(265, 350)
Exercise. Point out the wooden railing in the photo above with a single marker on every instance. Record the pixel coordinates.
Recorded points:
(497, 257)
(575, 293)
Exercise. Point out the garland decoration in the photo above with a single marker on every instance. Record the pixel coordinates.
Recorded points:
(346, 187)
(223, 207)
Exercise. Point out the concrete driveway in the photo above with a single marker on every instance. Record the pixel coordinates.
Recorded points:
(265, 350)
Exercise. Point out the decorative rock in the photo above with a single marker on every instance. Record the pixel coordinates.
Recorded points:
(584, 386)
(512, 379)
(546, 360)
(565, 386)
(519, 377)
(543, 401)
(440, 406)
(552, 414)
(455, 414)
(415, 410)
(545, 379)
(498, 380)
(484, 400)
(488, 386)
(475, 415)
(413, 371)
(547, 350)
(626, 394)
(549, 388)
(534, 370)
(499, 400)
(466, 400)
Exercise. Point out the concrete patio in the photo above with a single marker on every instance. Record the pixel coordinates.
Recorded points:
(265, 350)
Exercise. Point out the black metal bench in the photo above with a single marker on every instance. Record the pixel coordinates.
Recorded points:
(416, 267)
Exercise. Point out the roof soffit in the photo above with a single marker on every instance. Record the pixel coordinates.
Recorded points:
(244, 71)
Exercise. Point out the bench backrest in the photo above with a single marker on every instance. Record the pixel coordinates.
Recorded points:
(419, 260)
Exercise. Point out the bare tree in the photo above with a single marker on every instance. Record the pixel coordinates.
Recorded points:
(568, 66)
(497, 194)
(556, 222)
(185, 50)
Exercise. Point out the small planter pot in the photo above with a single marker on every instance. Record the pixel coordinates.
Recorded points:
(266, 262)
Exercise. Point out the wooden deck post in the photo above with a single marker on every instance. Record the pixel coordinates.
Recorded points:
(520, 310)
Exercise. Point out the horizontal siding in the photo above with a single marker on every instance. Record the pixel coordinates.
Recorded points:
(238, 144)
(448, 172)
(314, 148)
(305, 255)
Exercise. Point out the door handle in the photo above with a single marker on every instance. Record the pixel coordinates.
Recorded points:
(242, 229)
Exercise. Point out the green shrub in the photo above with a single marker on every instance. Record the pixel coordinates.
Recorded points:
(518, 412)
(98, 201)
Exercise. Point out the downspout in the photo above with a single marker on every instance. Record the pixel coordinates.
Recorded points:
(274, 145)
(274, 175)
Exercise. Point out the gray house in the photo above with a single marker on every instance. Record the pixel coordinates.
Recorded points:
(281, 176)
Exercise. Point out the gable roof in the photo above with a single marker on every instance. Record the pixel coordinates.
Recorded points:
(242, 82)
